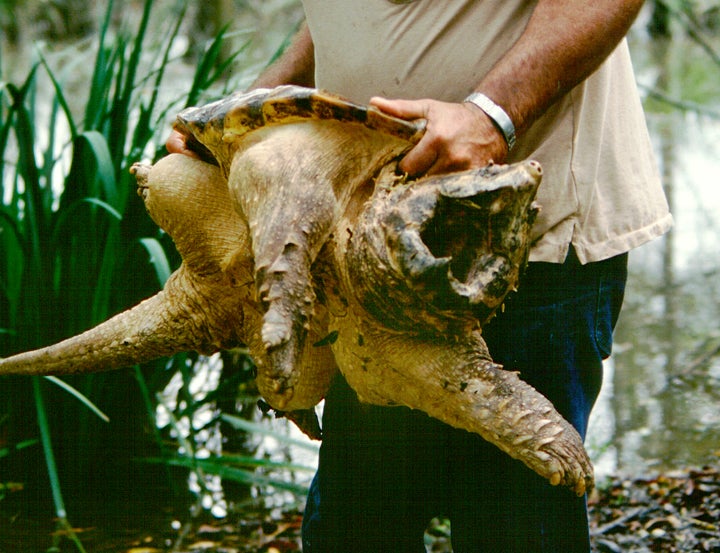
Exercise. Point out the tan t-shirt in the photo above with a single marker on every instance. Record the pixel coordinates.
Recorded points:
(601, 191)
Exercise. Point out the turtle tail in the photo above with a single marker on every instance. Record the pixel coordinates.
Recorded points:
(160, 326)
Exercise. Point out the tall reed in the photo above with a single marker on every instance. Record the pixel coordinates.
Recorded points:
(76, 246)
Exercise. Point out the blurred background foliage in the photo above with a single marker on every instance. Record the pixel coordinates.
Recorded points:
(86, 89)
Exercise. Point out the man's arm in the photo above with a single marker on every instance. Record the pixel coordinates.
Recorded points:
(295, 66)
(564, 42)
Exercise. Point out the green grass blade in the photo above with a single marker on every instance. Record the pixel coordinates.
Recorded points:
(264, 430)
(5, 128)
(59, 95)
(46, 440)
(69, 212)
(255, 462)
(27, 165)
(242, 476)
(209, 69)
(48, 450)
(79, 396)
(104, 289)
(158, 259)
(5, 451)
(101, 77)
(105, 168)
(110, 210)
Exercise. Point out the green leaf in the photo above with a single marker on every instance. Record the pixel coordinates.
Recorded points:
(5, 451)
(243, 476)
(69, 211)
(79, 396)
(60, 95)
(158, 259)
(105, 207)
(104, 164)
(264, 430)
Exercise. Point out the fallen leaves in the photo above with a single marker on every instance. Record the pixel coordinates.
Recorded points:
(674, 512)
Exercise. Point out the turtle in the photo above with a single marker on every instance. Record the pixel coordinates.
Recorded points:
(301, 240)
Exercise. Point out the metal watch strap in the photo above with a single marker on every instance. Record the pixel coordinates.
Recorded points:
(497, 114)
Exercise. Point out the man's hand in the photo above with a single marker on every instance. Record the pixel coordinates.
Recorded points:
(457, 137)
(176, 143)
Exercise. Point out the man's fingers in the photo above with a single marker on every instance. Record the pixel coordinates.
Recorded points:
(419, 159)
(456, 137)
(176, 144)
(404, 109)
(422, 157)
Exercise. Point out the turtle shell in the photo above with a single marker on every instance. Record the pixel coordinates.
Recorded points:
(213, 128)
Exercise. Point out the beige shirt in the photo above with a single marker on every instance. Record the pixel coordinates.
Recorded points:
(601, 191)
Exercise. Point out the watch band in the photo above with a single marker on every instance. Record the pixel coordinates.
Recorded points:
(497, 114)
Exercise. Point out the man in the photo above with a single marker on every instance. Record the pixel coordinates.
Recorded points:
(498, 80)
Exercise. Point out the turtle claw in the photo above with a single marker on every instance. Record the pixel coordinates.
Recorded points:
(276, 329)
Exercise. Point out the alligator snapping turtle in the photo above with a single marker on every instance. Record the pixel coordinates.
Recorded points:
(299, 240)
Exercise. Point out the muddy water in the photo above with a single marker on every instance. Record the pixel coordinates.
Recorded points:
(660, 408)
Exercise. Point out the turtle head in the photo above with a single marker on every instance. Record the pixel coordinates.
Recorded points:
(451, 246)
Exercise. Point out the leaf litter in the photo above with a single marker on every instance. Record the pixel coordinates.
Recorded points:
(675, 512)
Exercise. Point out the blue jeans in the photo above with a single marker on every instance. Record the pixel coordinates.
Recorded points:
(385, 472)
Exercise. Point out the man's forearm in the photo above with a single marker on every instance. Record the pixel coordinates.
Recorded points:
(564, 42)
(295, 66)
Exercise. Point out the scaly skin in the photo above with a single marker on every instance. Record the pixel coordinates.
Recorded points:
(408, 318)
(457, 383)
(304, 245)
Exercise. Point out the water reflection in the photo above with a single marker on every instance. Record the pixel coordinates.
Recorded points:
(659, 410)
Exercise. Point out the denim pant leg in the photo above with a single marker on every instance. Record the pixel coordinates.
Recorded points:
(375, 490)
(556, 331)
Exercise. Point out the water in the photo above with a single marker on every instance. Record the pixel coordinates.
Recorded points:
(659, 408)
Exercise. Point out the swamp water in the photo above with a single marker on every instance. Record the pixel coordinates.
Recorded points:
(660, 407)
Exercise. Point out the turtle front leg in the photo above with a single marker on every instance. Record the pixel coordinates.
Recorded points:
(423, 267)
(290, 183)
(458, 383)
